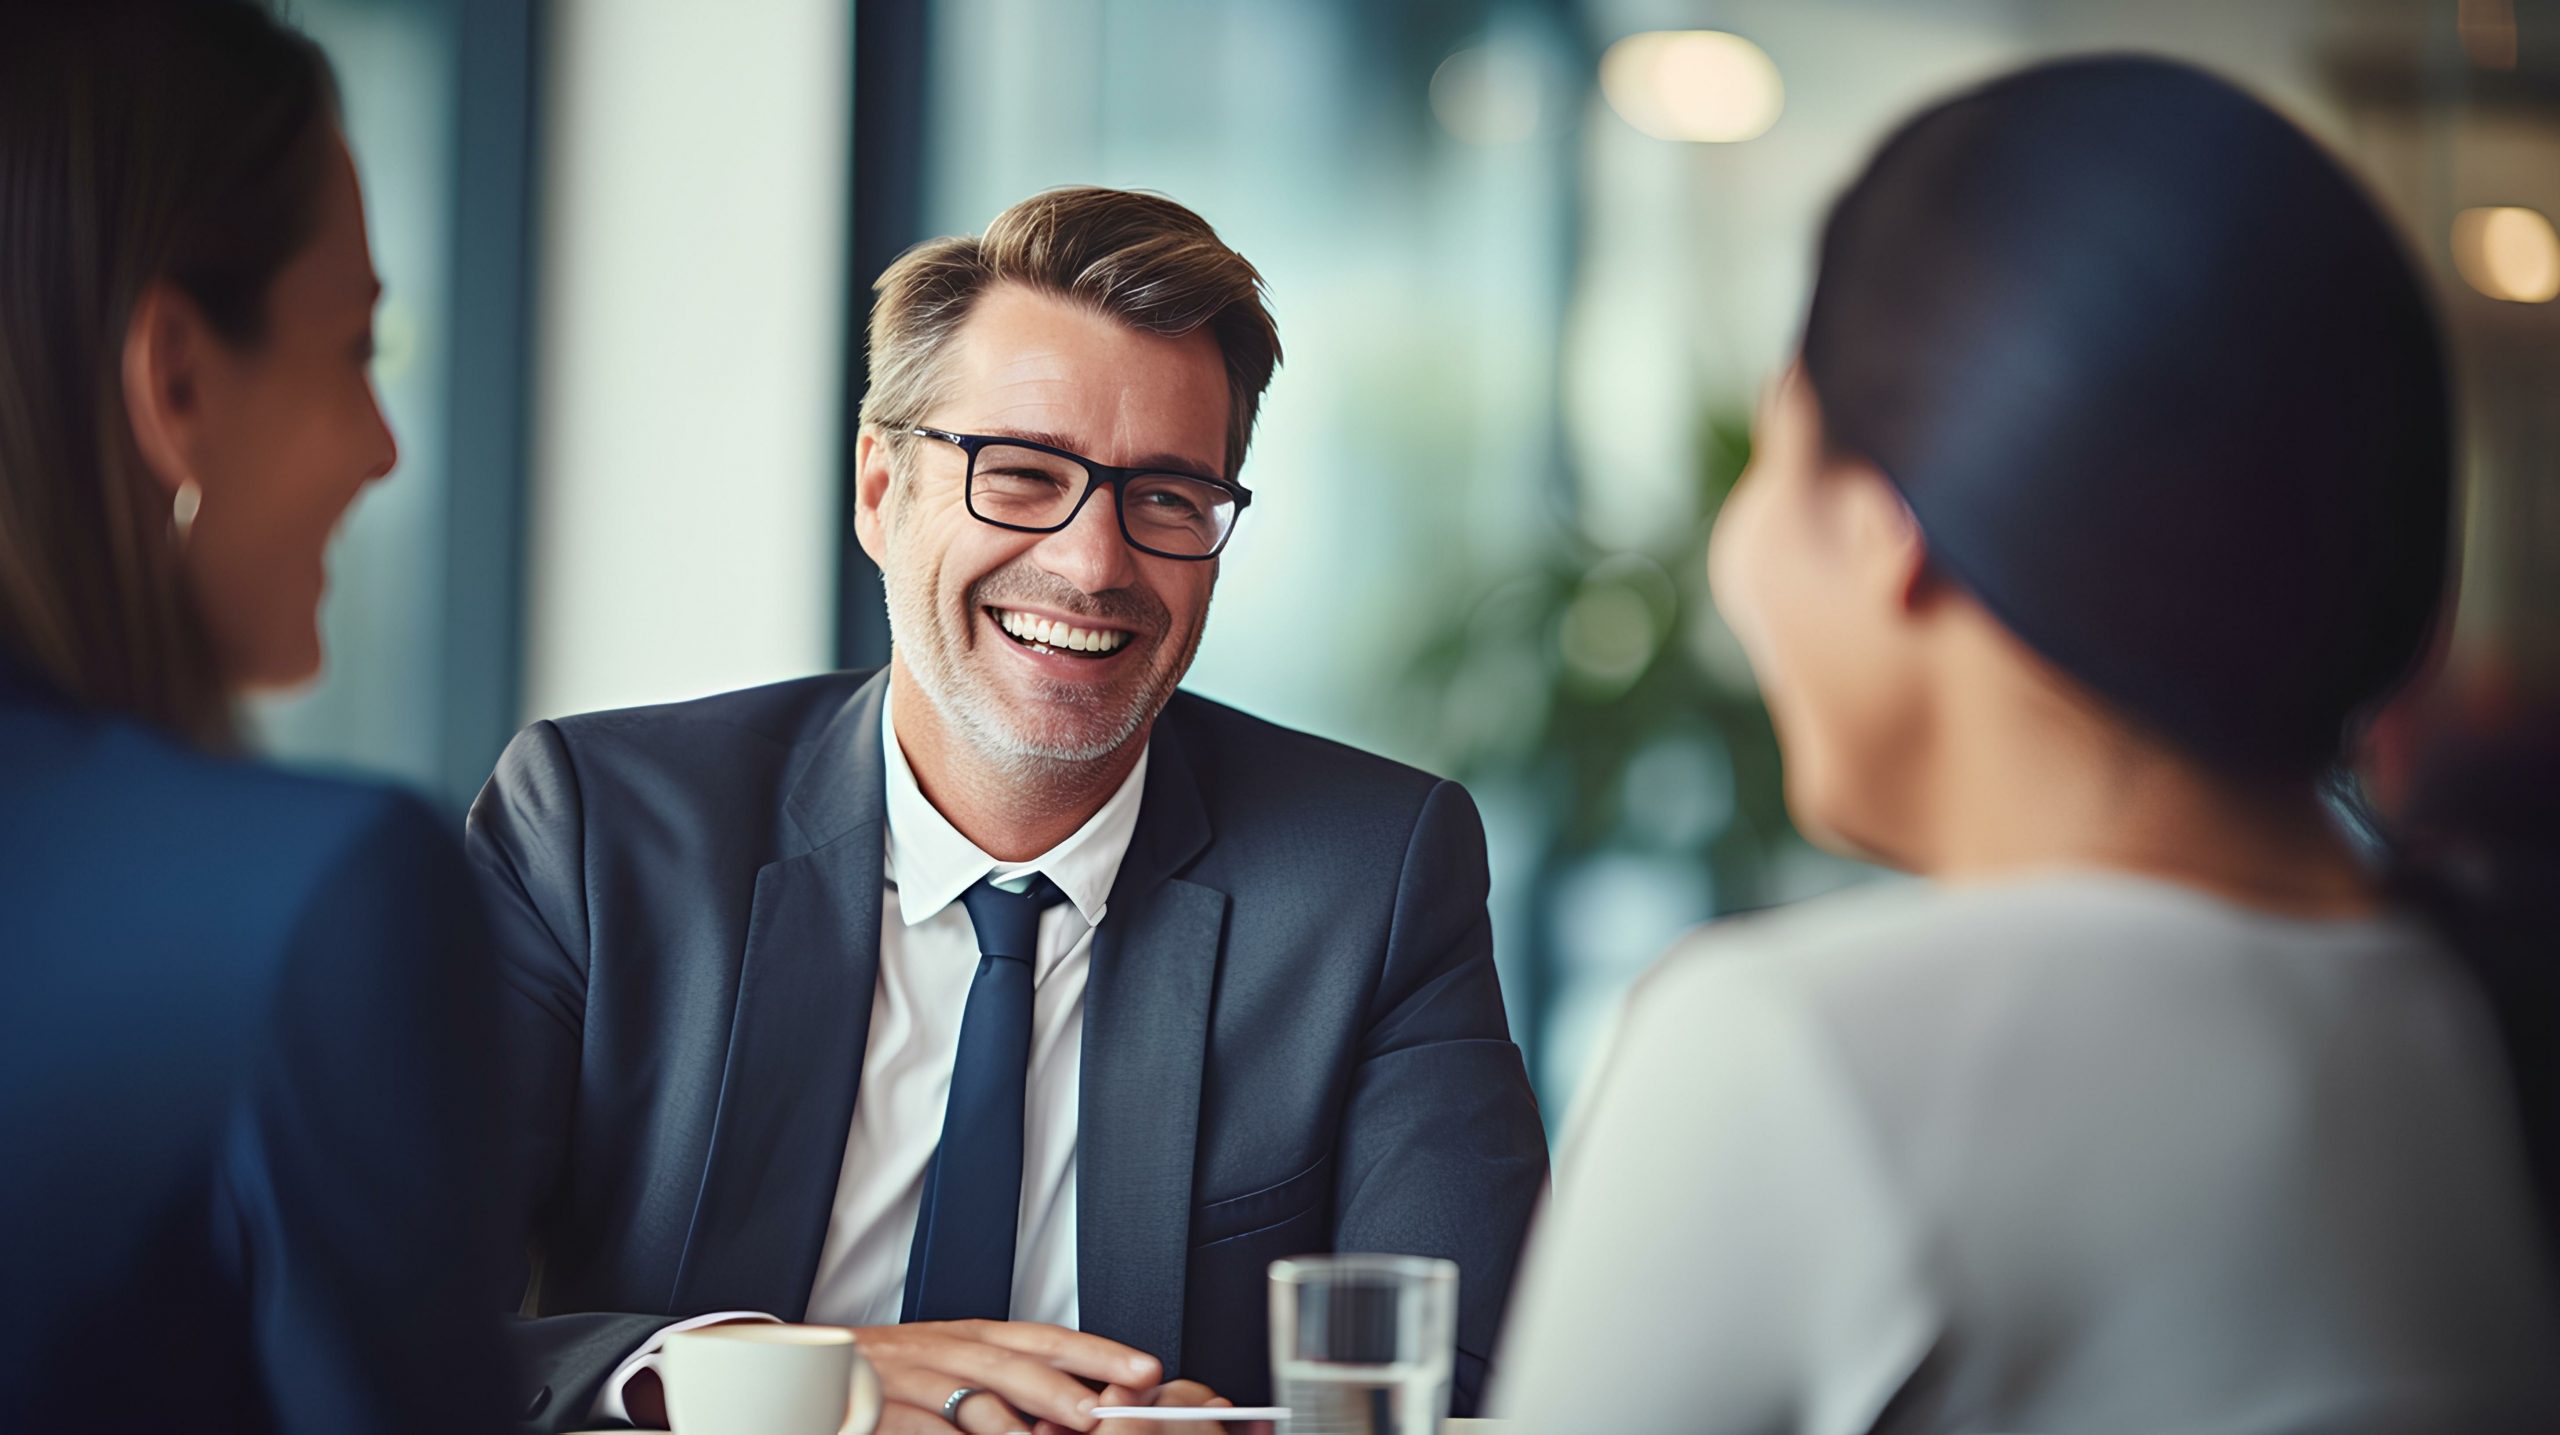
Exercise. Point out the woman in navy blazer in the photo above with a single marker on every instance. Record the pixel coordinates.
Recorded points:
(241, 1103)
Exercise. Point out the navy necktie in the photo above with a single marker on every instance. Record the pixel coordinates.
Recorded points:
(961, 1267)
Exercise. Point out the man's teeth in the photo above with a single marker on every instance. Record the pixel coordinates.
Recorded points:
(1060, 635)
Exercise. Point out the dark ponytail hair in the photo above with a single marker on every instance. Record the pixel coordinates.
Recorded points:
(140, 141)
(2164, 391)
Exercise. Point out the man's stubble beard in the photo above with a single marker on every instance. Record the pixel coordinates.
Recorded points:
(984, 722)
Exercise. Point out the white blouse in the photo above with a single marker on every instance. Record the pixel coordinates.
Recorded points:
(2081, 1152)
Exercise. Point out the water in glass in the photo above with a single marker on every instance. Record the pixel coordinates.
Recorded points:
(1327, 1399)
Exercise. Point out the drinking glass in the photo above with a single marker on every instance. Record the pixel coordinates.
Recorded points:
(1363, 1345)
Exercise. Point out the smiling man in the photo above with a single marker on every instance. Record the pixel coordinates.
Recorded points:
(1007, 1005)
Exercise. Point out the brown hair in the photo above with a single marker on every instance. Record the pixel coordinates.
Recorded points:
(1140, 258)
(140, 141)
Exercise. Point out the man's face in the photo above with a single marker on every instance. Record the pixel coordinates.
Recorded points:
(1030, 365)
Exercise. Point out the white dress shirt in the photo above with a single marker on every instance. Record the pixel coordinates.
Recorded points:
(928, 959)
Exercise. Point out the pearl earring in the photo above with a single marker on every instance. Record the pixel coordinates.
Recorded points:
(182, 514)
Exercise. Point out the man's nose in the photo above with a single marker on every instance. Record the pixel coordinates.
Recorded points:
(1091, 552)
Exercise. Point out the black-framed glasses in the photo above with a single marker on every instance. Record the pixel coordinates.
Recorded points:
(1033, 488)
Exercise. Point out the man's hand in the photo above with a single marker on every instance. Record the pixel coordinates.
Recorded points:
(1040, 1375)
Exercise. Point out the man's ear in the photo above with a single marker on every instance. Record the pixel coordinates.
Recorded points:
(165, 348)
(871, 482)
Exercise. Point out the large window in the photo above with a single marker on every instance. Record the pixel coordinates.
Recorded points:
(1524, 336)
(422, 618)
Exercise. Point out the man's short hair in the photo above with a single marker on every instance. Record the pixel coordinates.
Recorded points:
(1139, 258)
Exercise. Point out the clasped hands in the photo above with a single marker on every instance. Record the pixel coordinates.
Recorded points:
(1039, 1378)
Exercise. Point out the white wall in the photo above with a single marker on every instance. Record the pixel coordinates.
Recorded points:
(688, 349)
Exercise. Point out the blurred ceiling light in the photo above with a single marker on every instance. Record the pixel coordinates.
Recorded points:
(2488, 32)
(1700, 85)
(1488, 95)
(2508, 253)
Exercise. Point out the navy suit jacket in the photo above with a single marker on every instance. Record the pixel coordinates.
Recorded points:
(1294, 1038)
(244, 1095)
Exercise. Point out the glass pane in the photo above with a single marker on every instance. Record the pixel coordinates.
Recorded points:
(1177, 514)
(1024, 486)
(1524, 337)
(378, 703)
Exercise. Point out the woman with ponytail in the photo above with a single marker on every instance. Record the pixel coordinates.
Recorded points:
(2109, 496)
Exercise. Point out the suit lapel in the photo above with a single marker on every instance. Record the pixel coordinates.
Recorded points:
(1146, 1027)
(796, 1040)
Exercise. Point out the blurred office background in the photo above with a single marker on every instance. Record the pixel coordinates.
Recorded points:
(1531, 259)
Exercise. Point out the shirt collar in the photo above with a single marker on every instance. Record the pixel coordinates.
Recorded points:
(932, 862)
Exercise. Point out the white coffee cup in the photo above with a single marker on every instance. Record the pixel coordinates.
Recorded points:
(754, 1379)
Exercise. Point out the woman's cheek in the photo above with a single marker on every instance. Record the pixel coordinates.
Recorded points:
(1736, 573)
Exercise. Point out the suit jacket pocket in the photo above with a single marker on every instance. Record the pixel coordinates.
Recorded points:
(1224, 1220)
